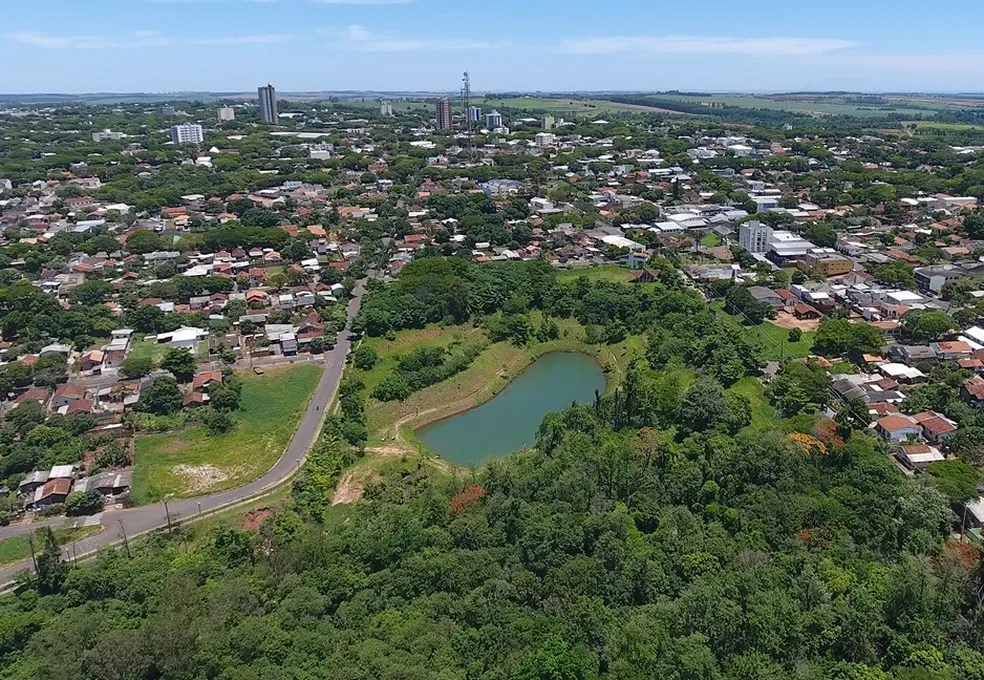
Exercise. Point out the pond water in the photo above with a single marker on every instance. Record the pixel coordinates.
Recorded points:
(509, 422)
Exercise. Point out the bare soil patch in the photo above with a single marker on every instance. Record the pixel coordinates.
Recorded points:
(201, 477)
(254, 519)
(788, 321)
(348, 490)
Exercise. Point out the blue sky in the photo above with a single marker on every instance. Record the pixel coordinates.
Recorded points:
(235, 45)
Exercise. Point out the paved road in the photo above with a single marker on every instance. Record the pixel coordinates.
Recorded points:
(141, 520)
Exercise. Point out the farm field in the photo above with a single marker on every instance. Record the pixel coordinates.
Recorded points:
(808, 105)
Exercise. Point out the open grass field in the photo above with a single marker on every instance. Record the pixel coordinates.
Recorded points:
(18, 548)
(190, 462)
(606, 272)
(775, 340)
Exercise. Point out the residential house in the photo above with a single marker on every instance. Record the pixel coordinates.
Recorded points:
(54, 491)
(972, 392)
(766, 295)
(919, 456)
(935, 427)
(898, 428)
(201, 382)
(951, 350)
(66, 395)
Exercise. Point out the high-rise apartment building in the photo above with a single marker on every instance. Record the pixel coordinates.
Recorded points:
(474, 114)
(188, 133)
(268, 104)
(226, 113)
(754, 236)
(493, 120)
(385, 109)
(444, 114)
(549, 122)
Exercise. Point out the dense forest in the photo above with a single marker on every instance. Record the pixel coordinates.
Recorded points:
(604, 553)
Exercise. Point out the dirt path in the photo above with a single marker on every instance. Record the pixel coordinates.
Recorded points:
(347, 491)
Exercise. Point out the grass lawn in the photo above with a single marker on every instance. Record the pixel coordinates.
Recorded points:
(147, 349)
(272, 405)
(605, 272)
(763, 415)
(711, 240)
(775, 340)
(18, 548)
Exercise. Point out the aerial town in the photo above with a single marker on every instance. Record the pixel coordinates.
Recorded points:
(189, 289)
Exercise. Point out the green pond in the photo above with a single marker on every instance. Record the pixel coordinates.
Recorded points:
(509, 422)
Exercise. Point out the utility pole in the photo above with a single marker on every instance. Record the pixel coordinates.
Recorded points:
(126, 543)
(167, 513)
(34, 559)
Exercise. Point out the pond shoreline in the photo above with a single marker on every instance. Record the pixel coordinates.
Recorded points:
(460, 409)
(408, 426)
(507, 421)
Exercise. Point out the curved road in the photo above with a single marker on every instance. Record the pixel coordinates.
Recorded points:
(135, 521)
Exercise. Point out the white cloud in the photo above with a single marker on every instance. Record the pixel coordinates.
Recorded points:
(88, 42)
(359, 38)
(269, 39)
(691, 44)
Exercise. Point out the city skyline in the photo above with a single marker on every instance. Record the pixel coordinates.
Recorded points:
(393, 45)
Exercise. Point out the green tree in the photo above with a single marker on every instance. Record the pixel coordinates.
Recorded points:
(87, 503)
(161, 397)
(136, 367)
(143, 241)
(704, 406)
(365, 357)
(180, 363)
(51, 570)
(923, 326)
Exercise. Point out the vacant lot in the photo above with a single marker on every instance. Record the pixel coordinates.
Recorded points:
(775, 340)
(605, 272)
(18, 548)
(190, 462)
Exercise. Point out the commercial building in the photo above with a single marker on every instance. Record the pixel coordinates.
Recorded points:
(493, 120)
(268, 104)
(784, 247)
(188, 133)
(826, 261)
(443, 114)
(754, 236)
(227, 113)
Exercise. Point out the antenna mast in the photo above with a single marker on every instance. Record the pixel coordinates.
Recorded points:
(466, 108)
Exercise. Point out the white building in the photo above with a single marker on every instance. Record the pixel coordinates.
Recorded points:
(187, 133)
(493, 120)
(754, 236)
(107, 135)
(785, 246)
(545, 139)
(227, 113)
(385, 109)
